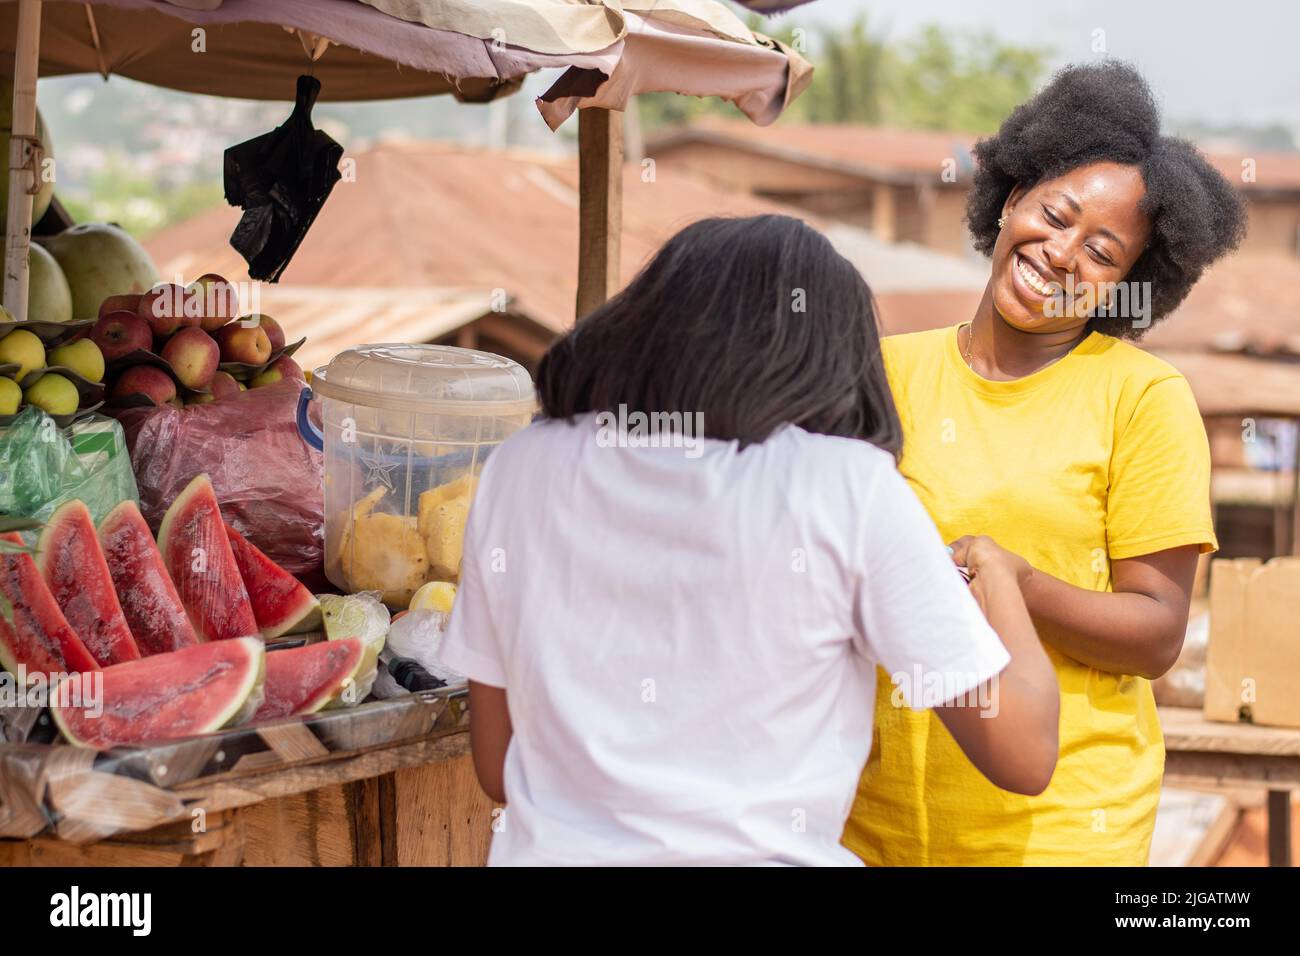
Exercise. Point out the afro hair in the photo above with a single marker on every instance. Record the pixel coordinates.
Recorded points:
(1105, 112)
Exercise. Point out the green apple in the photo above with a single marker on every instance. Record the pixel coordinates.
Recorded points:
(11, 396)
(82, 356)
(21, 347)
(54, 393)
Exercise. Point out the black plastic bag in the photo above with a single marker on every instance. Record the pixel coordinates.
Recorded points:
(280, 179)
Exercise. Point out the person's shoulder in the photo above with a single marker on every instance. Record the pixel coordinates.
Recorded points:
(833, 458)
(1136, 365)
(914, 344)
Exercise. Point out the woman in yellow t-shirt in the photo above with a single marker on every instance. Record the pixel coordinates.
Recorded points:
(1036, 425)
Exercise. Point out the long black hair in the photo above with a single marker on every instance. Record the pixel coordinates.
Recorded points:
(752, 323)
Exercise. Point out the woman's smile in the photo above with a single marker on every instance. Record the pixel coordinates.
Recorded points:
(1031, 281)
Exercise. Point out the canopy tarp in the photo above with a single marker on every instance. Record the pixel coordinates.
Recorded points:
(382, 49)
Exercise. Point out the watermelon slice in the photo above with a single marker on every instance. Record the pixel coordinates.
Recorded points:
(77, 575)
(152, 608)
(191, 691)
(281, 604)
(306, 679)
(33, 631)
(197, 555)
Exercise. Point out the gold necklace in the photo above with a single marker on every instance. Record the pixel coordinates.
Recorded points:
(970, 343)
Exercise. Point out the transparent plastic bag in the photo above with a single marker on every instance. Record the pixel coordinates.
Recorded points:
(43, 465)
(269, 482)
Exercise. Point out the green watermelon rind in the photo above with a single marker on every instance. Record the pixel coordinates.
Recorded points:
(179, 506)
(234, 713)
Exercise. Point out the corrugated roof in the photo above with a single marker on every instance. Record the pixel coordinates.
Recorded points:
(443, 216)
(921, 153)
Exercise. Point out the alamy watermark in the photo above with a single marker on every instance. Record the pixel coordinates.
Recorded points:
(927, 689)
(626, 429)
(83, 691)
(1117, 300)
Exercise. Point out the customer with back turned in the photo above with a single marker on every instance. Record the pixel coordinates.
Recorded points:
(677, 585)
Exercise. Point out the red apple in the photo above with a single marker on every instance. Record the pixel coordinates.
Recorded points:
(147, 380)
(268, 325)
(193, 356)
(223, 385)
(121, 333)
(119, 303)
(240, 344)
(283, 367)
(218, 300)
(163, 307)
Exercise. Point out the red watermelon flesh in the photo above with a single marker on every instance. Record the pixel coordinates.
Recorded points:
(152, 608)
(197, 555)
(281, 604)
(306, 679)
(77, 575)
(195, 690)
(33, 631)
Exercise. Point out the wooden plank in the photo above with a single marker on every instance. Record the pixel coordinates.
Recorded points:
(1279, 828)
(600, 206)
(443, 817)
(219, 842)
(302, 829)
(1192, 769)
(18, 222)
(1218, 835)
(1186, 729)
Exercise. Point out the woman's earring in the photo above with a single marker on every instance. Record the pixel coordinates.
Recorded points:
(1002, 221)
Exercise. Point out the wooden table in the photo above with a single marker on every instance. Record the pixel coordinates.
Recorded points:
(1202, 752)
(413, 804)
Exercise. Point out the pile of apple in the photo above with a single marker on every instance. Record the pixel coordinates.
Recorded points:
(183, 345)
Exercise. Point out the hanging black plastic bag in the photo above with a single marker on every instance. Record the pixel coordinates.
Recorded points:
(280, 179)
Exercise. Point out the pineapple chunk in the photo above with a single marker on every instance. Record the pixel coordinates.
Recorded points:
(443, 513)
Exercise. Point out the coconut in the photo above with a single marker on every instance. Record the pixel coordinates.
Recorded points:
(100, 259)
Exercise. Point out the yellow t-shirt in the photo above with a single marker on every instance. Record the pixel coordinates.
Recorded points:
(1100, 455)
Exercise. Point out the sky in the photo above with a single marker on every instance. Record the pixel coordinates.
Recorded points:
(1208, 60)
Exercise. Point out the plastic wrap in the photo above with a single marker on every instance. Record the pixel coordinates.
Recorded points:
(42, 465)
(269, 482)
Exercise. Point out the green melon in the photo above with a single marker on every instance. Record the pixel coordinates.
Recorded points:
(98, 260)
(41, 201)
(49, 298)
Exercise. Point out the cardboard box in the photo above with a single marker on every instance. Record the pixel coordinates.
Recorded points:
(1252, 667)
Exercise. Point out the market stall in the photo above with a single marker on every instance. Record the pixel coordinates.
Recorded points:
(315, 727)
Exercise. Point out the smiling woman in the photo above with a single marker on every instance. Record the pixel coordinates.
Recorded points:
(1036, 430)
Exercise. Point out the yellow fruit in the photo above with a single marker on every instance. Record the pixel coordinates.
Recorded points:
(83, 357)
(443, 513)
(384, 553)
(434, 596)
(54, 393)
(11, 396)
(21, 347)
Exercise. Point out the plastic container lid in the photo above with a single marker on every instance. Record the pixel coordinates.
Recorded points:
(429, 379)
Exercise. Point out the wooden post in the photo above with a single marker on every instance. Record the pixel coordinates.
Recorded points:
(18, 223)
(1279, 828)
(600, 206)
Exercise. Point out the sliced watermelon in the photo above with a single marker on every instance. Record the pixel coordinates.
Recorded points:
(195, 690)
(152, 608)
(306, 679)
(33, 631)
(197, 555)
(281, 604)
(77, 575)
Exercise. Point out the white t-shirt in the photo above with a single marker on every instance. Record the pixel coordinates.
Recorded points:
(688, 640)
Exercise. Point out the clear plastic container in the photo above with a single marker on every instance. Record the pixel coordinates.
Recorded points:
(406, 429)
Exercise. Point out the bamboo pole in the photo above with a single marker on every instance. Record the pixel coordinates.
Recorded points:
(22, 153)
(600, 206)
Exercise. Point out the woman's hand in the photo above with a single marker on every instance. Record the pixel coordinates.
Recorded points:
(979, 553)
